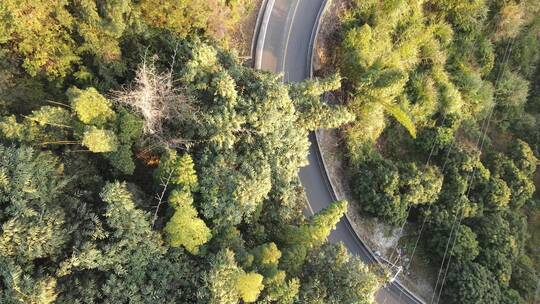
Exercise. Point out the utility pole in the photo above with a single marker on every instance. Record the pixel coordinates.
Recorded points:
(392, 265)
(399, 269)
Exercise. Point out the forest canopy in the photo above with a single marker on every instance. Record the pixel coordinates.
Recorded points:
(141, 161)
(445, 139)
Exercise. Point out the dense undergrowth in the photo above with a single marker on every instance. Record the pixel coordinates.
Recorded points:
(446, 132)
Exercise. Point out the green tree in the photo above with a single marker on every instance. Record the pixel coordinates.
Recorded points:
(510, 97)
(33, 225)
(185, 228)
(386, 189)
(26, 289)
(523, 157)
(298, 241)
(376, 182)
(128, 130)
(330, 268)
(377, 67)
(511, 296)
(438, 138)
(509, 20)
(57, 42)
(99, 140)
(215, 17)
(470, 282)
(419, 186)
(178, 170)
(122, 258)
(249, 285)
(266, 258)
(524, 278)
(45, 44)
(278, 288)
(463, 15)
(460, 196)
(42, 126)
(519, 181)
(498, 246)
(91, 122)
(463, 243)
(91, 107)
(315, 232)
(315, 114)
(225, 282)
(497, 194)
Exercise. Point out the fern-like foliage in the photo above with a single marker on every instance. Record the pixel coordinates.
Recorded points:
(401, 116)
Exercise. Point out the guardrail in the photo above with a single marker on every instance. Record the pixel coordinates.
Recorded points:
(261, 27)
(257, 27)
(322, 162)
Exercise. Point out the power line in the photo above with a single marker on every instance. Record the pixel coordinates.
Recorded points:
(481, 141)
(409, 209)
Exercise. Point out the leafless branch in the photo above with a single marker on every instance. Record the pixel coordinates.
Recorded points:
(159, 197)
(156, 97)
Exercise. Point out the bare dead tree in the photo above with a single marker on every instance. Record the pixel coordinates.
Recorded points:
(157, 97)
(153, 95)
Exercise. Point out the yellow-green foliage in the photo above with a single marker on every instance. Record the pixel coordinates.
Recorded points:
(249, 285)
(50, 40)
(315, 232)
(393, 56)
(399, 114)
(315, 114)
(267, 254)
(99, 140)
(185, 228)
(43, 292)
(369, 125)
(48, 115)
(42, 31)
(215, 17)
(90, 106)
(47, 124)
(180, 170)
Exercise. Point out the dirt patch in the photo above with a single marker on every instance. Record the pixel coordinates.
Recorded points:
(376, 234)
(326, 55)
(241, 37)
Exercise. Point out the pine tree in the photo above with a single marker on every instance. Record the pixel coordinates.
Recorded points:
(179, 170)
(298, 241)
(185, 228)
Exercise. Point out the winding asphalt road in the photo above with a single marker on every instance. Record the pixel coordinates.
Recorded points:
(283, 46)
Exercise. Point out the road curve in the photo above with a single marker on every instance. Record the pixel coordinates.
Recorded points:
(283, 45)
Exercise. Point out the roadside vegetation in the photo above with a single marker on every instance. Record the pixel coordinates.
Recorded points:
(142, 162)
(445, 140)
